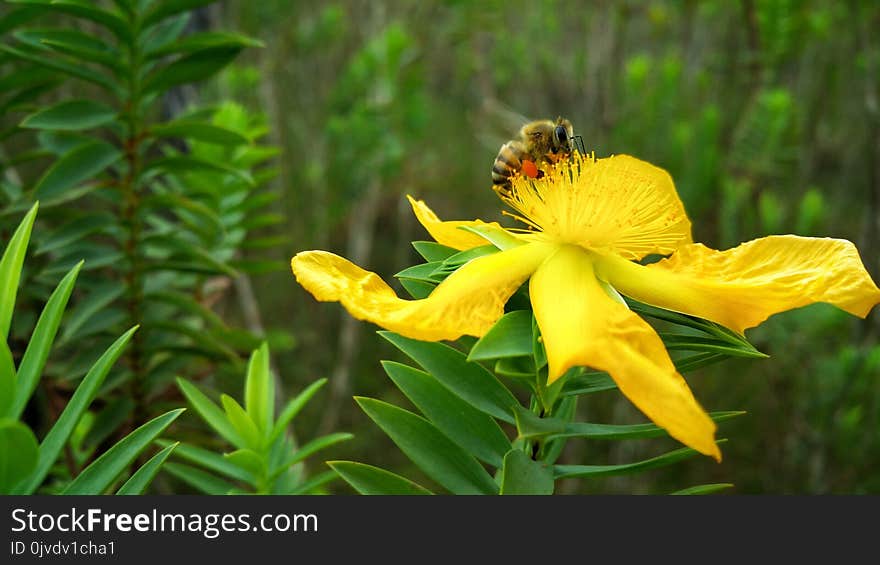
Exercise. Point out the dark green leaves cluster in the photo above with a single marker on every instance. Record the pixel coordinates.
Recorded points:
(152, 209)
(25, 463)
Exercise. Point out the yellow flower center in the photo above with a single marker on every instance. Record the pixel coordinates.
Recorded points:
(606, 205)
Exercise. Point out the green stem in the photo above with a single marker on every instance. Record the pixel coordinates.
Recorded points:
(130, 213)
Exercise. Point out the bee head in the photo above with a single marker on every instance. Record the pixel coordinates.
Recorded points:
(562, 135)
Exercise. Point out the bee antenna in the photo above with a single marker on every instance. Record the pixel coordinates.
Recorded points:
(579, 144)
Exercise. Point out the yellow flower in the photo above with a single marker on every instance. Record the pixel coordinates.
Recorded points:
(590, 221)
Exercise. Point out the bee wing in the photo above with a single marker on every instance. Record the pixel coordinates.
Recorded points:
(496, 123)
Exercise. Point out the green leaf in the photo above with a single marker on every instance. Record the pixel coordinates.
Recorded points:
(423, 272)
(10, 269)
(700, 343)
(87, 9)
(18, 453)
(97, 301)
(75, 230)
(530, 426)
(210, 412)
(79, 71)
(19, 16)
(427, 447)
(497, 236)
(522, 475)
(97, 477)
(193, 67)
(470, 381)
(182, 165)
(71, 115)
(417, 289)
(704, 489)
(141, 479)
(312, 485)
(470, 428)
(7, 377)
(210, 461)
(564, 471)
(198, 479)
(432, 251)
(200, 131)
(367, 479)
(64, 426)
(249, 460)
(293, 407)
(79, 45)
(168, 8)
(242, 423)
(259, 390)
(34, 359)
(311, 448)
(77, 165)
(204, 40)
(511, 336)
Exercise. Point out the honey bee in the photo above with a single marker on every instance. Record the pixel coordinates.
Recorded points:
(539, 141)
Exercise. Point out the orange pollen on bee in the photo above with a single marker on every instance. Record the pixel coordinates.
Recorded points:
(530, 169)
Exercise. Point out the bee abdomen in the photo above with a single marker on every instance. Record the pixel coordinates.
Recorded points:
(508, 162)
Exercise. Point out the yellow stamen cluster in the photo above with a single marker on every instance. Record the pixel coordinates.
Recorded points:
(605, 205)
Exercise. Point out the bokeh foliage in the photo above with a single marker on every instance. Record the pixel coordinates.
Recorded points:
(182, 157)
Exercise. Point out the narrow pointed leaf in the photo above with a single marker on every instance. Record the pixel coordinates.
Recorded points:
(82, 163)
(470, 428)
(210, 412)
(193, 67)
(704, 489)
(311, 448)
(433, 251)
(85, 393)
(7, 378)
(314, 483)
(97, 477)
(141, 479)
(511, 336)
(563, 471)
(367, 479)
(198, 479)
(71, 115)
(293, 407)
(259, 390)
(242, 423)
(10, 269)
(470, 381)
(200, 131)
(210, 461)
(427, 447)
(37, 352)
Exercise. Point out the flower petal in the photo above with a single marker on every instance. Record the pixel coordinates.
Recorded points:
(582, 325)
(741, 287)
(448, 233)
(468, 302)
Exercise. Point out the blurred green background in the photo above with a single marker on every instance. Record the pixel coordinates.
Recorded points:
(765, 113)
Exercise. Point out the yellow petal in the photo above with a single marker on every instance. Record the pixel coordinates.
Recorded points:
(468, 302)
(582, 325)
(448, 233)
(618, 205)
(741, 287)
